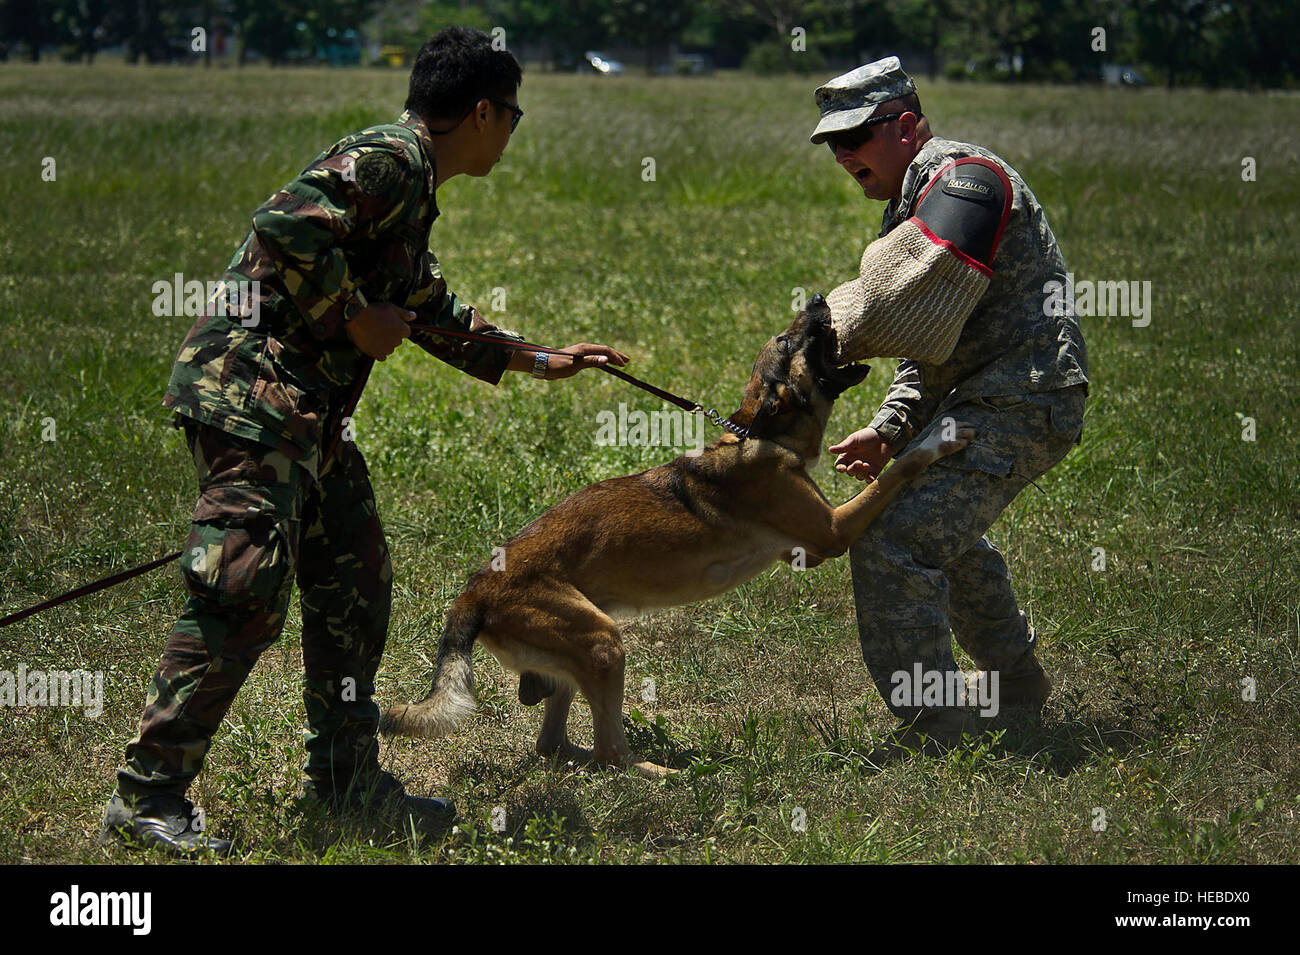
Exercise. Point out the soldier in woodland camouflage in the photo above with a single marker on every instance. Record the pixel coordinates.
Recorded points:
(335, 266)
(1018, 372)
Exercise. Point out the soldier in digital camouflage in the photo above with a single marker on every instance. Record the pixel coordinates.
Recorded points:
(964, 248)
(335, 266)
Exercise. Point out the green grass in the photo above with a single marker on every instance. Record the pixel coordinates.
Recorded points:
(158, 170)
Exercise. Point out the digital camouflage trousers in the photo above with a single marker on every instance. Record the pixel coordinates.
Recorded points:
(925, 568)
(261, 522)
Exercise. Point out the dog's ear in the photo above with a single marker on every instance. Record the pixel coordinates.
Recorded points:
(757, 392)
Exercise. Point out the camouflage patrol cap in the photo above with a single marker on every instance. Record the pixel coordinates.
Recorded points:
(850, 100)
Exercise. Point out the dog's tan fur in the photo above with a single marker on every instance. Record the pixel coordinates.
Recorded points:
(685, 531)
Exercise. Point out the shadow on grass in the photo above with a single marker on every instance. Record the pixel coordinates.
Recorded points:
(314, 830)
(1061, 748)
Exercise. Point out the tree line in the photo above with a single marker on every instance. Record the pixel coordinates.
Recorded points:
(1237, 43)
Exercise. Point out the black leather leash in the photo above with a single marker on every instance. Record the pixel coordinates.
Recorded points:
(686, 404)
(113, 579)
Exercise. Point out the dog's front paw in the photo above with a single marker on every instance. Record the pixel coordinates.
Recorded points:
(949, 438)
(950, 441)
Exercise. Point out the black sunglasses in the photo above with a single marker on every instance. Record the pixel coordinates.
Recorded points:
(852, 139)
(514, 120)
(518, 113)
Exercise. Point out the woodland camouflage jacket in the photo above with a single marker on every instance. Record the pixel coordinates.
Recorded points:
(350, 229)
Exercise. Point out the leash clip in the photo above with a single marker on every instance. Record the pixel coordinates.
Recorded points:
(718, 421)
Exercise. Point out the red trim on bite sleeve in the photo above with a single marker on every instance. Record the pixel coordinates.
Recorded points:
(1006, 193)
(944, 243)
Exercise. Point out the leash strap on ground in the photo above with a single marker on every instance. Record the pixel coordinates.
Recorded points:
(102, 584)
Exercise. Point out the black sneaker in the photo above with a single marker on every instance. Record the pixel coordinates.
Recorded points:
(381, 791)
(163, 821)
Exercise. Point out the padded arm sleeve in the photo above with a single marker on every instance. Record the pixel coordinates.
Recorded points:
(919, 284)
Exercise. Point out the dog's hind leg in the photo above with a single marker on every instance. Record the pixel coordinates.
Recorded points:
(577, 646)
(602, 685)
(553, 740)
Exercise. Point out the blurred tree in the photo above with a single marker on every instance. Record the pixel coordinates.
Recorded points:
(997, 34)
(83, 24)
(647, 23)
(264, 26)
(1169, 35)
(825, 24)
(26, 22)
(567, 27)
(142, 25)
(1265, 42)
(408, 23)
(924, 23)
(1211, 42)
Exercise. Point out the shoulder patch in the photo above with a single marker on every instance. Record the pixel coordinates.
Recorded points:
(966, 188)
(377, 172)
(970, 207)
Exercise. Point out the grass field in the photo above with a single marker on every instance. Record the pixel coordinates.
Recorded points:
(764, 689)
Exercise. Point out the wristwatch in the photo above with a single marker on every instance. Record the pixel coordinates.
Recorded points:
(540, 361)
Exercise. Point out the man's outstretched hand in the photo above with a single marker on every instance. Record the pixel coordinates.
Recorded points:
(575, 358)
(862, 454)
(379, 328)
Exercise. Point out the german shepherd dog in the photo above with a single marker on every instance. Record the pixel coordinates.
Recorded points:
(688, 530)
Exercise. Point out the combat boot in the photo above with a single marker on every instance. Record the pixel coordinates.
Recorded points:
(377, 791)
(932, 732)
(1028, 685)
(163, 821)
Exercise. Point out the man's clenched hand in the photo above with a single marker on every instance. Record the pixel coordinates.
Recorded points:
(379, 328)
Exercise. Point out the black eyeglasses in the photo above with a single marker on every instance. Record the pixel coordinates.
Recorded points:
(854, 138)
(518, 113)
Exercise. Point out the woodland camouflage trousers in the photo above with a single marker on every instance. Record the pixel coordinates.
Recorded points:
(262, 521)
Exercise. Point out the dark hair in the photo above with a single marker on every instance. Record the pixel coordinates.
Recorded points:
(455, 69)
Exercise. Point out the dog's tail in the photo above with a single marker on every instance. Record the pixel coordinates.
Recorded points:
(451, 697)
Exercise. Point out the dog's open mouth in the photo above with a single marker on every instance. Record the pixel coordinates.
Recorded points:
(835, 379)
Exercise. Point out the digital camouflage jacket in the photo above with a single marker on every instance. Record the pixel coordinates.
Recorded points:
(1008, 346)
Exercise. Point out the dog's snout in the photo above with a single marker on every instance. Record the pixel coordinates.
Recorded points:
(818, 299)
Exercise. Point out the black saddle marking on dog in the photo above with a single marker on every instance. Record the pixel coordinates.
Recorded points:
(678, 490)
(534, 687)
